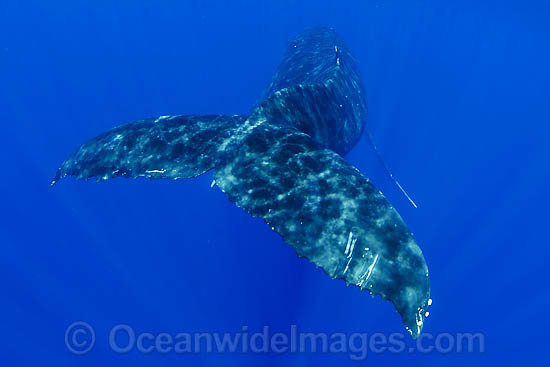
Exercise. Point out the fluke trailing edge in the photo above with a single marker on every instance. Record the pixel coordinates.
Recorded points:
(284, 163)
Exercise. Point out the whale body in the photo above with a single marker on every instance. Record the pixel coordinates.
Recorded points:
(284, 163)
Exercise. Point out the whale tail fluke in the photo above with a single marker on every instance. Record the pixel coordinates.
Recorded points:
(330, 213)
(284, 163)
(165, 147)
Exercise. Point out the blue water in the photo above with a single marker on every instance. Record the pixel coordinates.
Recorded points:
(458, 104)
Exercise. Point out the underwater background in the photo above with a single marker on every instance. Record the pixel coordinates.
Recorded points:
(458, 96)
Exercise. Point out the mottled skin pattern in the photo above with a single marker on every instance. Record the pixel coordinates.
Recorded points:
(284, 164)
(164, 147)
(330, 213)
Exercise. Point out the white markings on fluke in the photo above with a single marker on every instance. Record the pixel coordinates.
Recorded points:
(349, 243)
(349, 249)
(160, 118)
(368, 273)
(156, 171)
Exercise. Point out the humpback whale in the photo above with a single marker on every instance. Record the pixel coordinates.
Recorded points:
(284, 163)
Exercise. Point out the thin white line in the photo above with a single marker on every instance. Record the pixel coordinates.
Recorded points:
(349, 242)
(371, 267)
